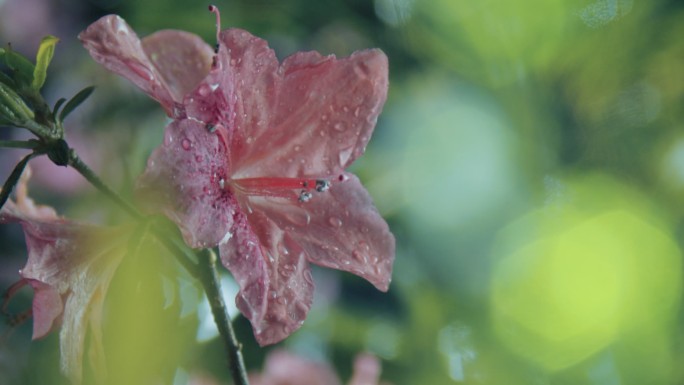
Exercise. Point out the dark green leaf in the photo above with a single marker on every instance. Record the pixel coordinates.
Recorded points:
(13, 179)
(43, 58)
(7, 80)
(79, 98)
(58, 105)
(22, 68)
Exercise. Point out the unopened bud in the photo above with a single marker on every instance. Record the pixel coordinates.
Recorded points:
(12, 106)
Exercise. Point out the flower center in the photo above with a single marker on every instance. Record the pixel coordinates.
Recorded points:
(302, 189)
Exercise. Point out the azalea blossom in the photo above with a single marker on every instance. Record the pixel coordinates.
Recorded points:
(254, 160)
(69, 267)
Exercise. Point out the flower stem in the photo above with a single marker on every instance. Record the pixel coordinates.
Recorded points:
(212, 286)
(86, 172)
(27, 144)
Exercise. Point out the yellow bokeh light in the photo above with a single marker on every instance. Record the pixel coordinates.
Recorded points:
(572, 278)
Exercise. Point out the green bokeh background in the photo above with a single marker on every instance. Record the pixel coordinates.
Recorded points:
(529, 160)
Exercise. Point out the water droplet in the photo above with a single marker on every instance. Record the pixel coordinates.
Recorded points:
(198, 158)
(282, 249)
(204, 90)
(308, 278)
(324, 117)
(249, 140)
(339, 126)
(364, 229)
(358, 255)
(233, 62)
(356, 111)
(185, 143)
(345, 109)
(222, 183)
(297, 148)
(335, 222)
(363, 246)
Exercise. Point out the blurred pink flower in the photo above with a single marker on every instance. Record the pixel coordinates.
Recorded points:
(254, 159)
(284, 368)
(69, 267)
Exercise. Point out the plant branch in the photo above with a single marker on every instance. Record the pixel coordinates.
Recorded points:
(86, 172)
(212, 286)
(27, 144)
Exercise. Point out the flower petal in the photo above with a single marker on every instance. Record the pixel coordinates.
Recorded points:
(183, 59)
(339, 229)
(112, 43)
(183, 181)
(68, 261)
(311, 116)
(276, 287)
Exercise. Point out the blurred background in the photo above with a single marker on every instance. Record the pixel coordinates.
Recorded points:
(529, 160)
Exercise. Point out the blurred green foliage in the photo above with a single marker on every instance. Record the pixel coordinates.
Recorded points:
(530, 161)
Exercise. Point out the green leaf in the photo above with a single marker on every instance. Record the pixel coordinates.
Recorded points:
(22, 68)
(57, 105)
(45, 52)
(79, 98)
(13, 179)
(6, 79)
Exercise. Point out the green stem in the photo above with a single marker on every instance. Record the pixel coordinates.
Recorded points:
(86, 172)
(27, 144)
(212, 286)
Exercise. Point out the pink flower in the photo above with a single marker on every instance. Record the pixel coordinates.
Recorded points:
(284, 368)
(254, 159)
(69, 267)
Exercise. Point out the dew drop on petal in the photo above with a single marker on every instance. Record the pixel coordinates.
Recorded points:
(204, 90)
(185, 143)
(339, 126)
(357, 255)
(324, 117)
(297, 148)
(335, 222)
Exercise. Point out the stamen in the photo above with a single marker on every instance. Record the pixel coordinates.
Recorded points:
(214, 9)
(281, 187)
(305, 196)
(322, 185)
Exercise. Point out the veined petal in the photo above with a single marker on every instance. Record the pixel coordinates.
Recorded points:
(112, 43)
(311, 116)
(276, 287)
(185, 179)
(339, 228)
(182, 59)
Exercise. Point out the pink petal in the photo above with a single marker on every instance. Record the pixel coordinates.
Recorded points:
(68, 261)
(276, 287)
(282, 368)
(47, 308)
(311, 116)
(339, 228)
(182, 59)
(183, 181)
(112, 43)
(366, 370)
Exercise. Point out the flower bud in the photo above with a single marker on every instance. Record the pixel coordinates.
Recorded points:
(12, 107)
